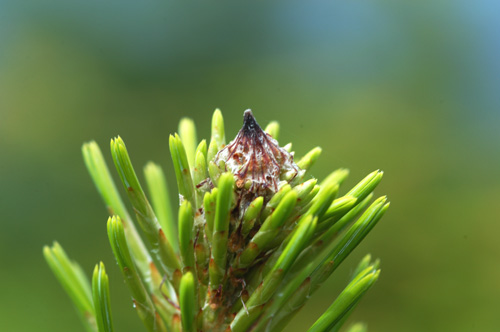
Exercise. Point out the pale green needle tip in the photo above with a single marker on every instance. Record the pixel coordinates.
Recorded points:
(273, 129)
(100, 294)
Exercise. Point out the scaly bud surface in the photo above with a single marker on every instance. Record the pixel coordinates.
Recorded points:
(256, 160)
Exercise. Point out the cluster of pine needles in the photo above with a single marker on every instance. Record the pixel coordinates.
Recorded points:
(255, 235)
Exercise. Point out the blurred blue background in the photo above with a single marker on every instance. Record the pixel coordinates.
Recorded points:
(413, 89)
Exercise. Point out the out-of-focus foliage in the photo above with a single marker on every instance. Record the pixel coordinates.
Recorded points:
(411, 89)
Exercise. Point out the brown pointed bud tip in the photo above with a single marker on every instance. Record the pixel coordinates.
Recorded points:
(256, 160)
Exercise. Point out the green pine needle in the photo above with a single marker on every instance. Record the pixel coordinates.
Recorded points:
(186, 222)
(182, 169)
(346, 300)
(74, 282)
(220, 230)
(273, 129)
(106, 187)
(187, 132)
(161, 248)
(100, 295)
(160, 199)
(188, 302)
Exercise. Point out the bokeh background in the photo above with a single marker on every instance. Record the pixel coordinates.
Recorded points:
(413, 89)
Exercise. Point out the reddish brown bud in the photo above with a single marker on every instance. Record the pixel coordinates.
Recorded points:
(256, 160)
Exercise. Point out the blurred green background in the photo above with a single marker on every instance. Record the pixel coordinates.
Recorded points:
(413, 89)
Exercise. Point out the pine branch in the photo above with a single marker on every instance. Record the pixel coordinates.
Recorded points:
(254, 239)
